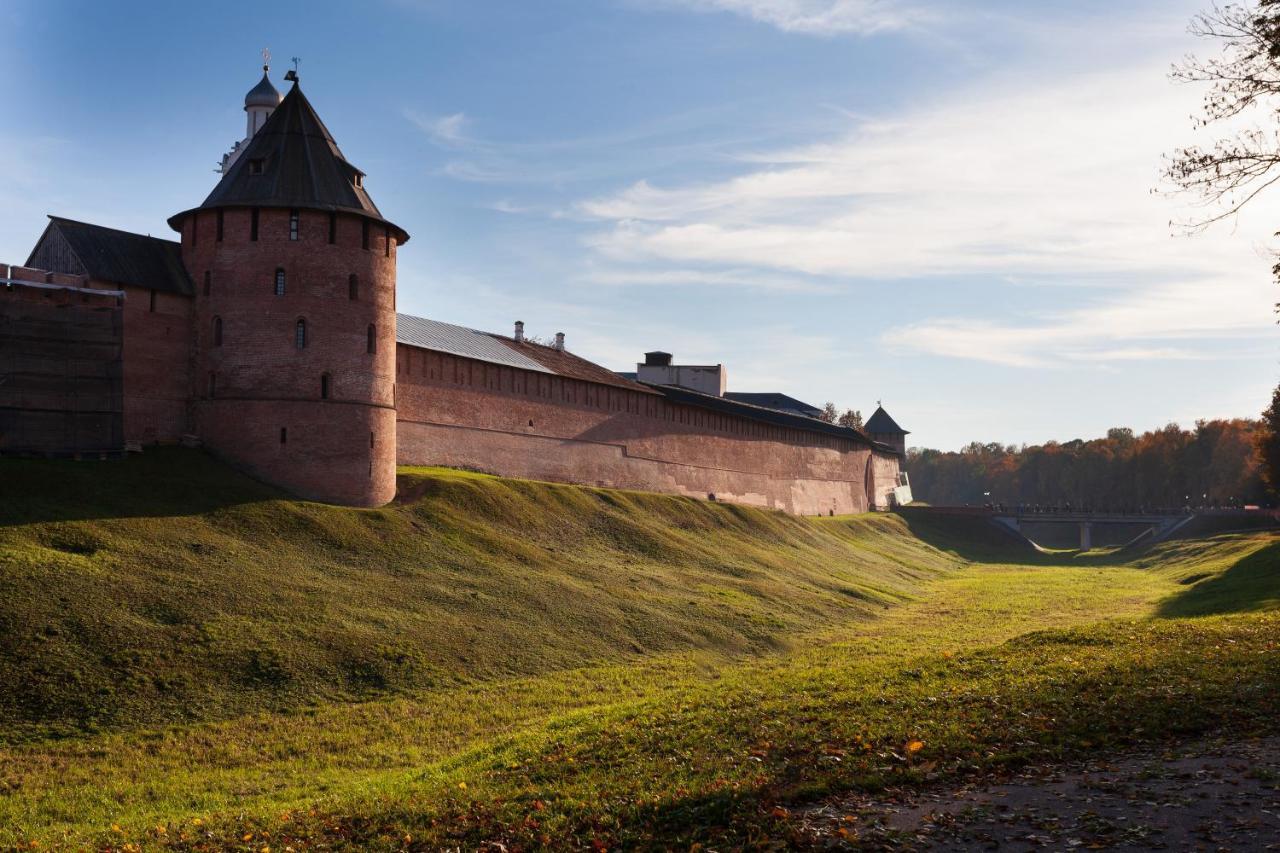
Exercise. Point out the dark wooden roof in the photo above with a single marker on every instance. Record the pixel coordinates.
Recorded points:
(774, 400)
(106, 254)
(766, 415)
(881, 424)
(301, 166)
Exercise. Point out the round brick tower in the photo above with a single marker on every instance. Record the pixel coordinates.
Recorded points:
(295, 324)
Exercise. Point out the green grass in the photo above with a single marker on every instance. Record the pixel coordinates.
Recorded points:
(169, 589)
(636, 670)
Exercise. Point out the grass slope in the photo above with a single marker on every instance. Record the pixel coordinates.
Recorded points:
(784, 676)
(167, 588)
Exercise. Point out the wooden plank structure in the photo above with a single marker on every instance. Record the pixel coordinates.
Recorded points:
(61, 365)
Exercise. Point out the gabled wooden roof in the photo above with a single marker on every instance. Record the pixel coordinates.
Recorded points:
(110, 255)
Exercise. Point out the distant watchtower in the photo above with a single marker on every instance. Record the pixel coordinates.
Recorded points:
(884, 429)
(295, 274)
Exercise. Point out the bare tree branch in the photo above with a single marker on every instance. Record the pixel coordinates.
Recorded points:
(1246, 73)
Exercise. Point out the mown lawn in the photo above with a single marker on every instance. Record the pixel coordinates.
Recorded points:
(930, 667)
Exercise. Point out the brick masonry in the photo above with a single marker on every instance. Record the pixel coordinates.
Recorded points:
(464, 413)
(258, 395)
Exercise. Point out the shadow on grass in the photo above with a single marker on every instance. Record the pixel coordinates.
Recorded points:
(979, 540)
(1250, 585)
(161, 482)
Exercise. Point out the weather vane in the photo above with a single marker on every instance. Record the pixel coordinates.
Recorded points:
(296, 61)
(266, 57)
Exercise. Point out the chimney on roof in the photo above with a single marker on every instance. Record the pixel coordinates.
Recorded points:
(560, 341)
(519, 336)
(657, 359)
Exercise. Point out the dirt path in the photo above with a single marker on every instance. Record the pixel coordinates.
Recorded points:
(1212, 795)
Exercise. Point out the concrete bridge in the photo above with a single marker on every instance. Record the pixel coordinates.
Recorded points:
(1162, 525)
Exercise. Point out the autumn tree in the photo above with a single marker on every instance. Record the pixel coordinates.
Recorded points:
(1268, 444)
(1242, 164)
(829, 413)
(1214, 463)
(851, 419)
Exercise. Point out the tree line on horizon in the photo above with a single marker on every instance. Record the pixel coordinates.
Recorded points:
(1216, 464)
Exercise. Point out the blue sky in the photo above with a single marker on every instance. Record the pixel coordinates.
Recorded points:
(944, 205)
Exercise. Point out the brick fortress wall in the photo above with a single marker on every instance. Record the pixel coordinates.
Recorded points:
(464, 413)
(157, 350)
(259, 399)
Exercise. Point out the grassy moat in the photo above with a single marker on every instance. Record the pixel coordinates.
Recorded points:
(191, 660)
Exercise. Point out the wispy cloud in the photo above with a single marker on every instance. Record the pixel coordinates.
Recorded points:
(739, 279)
(445, 131)
(818, 17)
(1030, 180)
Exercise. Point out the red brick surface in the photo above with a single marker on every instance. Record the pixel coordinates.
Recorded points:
(157, 365)
(459, 412)
(264, 383)
(418, 407)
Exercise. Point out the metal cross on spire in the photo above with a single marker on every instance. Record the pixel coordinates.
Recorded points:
(266, 58)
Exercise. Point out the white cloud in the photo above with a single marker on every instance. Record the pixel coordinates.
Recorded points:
(817, 17)
(445, 131)
(683, 278)
(1046, 181)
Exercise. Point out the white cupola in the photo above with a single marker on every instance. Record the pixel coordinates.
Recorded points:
(259, 104)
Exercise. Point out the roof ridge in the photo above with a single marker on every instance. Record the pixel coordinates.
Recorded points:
(53, 218)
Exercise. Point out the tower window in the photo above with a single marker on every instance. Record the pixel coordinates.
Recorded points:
(284, 435)
(255, 166)
(195, 229)
(371, 439)
(333, 227)
(219, 226)
(300, 334)
(293, 225)
(324, 386)
(279, 290)
(358, 180)
(386, 245)
(353, 287)
(372, 344)
(213, 385)
(364, 235)
(152, 307)
(253, 225)
(217, 331)
(208, 282)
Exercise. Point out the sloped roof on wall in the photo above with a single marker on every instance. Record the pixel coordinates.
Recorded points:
(564, 363)
(119, 257)
(760, 413)
(500, 349)
(301, 166)
(881, 423)
(459, 340)
(773, 400)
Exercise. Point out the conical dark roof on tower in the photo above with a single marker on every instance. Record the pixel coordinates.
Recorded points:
(881, 424)
(292, 161)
